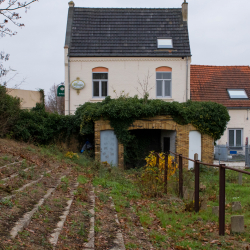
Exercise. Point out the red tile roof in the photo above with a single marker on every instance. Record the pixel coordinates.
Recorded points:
(210, 83)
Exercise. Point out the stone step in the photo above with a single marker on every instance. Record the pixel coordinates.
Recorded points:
(24, 222)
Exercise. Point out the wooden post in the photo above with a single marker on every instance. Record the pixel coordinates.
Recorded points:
(157, 160)
(240, 179)
(197, 183)
(222, 199)
(166, 174)
(180, 176)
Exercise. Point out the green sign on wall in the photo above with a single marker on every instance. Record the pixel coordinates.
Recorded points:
(61, 90)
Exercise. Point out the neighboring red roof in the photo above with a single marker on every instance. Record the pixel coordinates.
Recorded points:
(210, 83)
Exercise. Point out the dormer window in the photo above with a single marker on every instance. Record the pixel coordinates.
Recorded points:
(237, 94)
(164, 43)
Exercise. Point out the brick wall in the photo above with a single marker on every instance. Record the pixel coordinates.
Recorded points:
(160, 122)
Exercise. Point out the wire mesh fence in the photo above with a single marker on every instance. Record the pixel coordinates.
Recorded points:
(224, 153)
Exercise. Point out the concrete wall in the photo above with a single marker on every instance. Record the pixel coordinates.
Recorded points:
(238, 119)
(29, 98)
(124, 74)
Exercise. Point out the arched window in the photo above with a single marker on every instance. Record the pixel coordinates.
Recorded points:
(100, 82)
(164, 82)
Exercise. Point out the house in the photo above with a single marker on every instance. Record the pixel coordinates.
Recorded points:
(109, 51)
(229, 86)
(113, 51)
(28, 98)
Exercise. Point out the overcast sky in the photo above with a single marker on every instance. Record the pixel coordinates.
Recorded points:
(218, 30)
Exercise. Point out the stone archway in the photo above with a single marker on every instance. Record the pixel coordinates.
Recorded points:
(164, 123)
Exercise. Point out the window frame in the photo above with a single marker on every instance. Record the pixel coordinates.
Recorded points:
(163, 85)
(165, 38)
(234, 146)
(100, 85)
(237, 98)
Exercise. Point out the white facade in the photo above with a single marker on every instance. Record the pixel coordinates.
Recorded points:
(124, 76)
(239, 120)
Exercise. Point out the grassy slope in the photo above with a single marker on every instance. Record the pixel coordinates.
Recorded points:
(160, 221)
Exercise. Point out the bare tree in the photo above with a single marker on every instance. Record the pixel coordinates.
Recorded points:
(3, 57)
(9, 13)
(144, 87)
(54, 103)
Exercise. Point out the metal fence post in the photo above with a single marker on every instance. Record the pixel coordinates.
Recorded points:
(222, 199)
(180, 176)
(197, 186)
(166, 174)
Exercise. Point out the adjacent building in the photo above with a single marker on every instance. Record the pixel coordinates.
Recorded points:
(28, 98)
(229, 86)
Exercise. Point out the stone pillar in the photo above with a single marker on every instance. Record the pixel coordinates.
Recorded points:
(237, 224)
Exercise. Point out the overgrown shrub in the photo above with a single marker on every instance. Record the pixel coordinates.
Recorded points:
(9, 111)
(42, 127)
(151, 180)
(35, 125)
(208, 117)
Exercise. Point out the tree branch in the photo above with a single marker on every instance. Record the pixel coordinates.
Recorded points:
(21, 6)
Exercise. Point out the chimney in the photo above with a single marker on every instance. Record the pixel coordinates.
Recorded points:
(185, 11)
(71, 4)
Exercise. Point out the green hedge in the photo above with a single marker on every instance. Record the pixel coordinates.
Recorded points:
(9, 111)
(36, 125)
(42, 127)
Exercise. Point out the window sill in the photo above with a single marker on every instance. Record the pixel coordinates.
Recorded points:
(98, 99)
(235, 148)
(166, 99)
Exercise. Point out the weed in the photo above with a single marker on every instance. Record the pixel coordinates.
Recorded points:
(103, 197)
(24, 164)
(7, 203)
(131, 246)
(82, 179)
(47, 208)
(31, 149)
(24, 233)
(23, 174)
(145, 219)
(97, 229)
(82, 231)
(87, 214)
(65, 184)
(46, 219)
(45, 174)
(5, 158)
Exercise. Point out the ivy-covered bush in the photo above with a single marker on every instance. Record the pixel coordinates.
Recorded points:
(208, 117)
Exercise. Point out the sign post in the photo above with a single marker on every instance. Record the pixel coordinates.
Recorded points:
(61, 90)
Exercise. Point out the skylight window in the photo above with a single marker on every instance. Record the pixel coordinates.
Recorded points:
(237, 94)
(164, 43)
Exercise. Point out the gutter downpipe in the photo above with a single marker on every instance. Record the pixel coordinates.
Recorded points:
(69, 82)
(186, 79)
